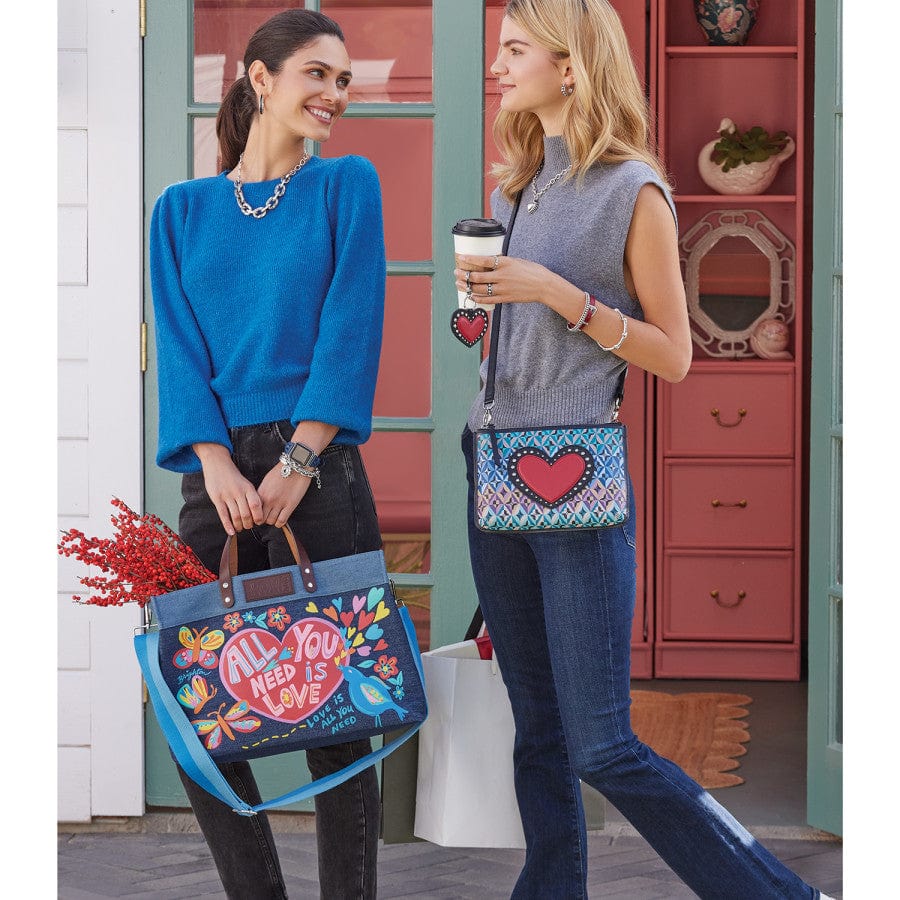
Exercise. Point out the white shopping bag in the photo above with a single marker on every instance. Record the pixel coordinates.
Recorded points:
(464, 792)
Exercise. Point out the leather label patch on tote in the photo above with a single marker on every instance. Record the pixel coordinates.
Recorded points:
(288, 678)
(551, 480)
(268, 586)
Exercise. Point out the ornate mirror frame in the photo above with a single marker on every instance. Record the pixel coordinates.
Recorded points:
(779, 250)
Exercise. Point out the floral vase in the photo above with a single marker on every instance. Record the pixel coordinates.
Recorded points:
(726, 21)
(747, 178)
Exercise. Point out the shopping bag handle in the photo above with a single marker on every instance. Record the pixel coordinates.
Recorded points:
(228, 565)
(193, 757)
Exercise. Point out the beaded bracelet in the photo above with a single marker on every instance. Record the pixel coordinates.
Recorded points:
(590, 307)
(621, 338)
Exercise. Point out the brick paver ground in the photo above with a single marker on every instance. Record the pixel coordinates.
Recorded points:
(167, 866)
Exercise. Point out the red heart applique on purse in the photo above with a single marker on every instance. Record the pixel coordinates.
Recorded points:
(551, 480)
(469, 325)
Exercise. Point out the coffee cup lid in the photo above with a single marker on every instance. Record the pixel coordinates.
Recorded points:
(479, 227)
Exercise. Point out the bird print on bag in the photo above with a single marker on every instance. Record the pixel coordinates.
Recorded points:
(370, 695)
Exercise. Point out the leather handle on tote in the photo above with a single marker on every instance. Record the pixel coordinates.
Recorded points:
(228, 566)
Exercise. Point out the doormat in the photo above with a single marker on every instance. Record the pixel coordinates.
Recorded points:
(700, 732)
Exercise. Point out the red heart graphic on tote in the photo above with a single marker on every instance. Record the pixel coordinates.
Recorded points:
(469, 325)
(285, 679)
(550, 480)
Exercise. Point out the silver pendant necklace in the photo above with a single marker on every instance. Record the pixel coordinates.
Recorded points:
(272, 202)
(540, 193)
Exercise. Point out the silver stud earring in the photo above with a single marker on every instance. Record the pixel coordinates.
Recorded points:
(567, 89)
(262, 104)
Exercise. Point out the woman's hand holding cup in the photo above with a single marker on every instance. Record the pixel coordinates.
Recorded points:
(471, 238)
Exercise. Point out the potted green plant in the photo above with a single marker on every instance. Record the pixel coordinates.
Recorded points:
(743, 162)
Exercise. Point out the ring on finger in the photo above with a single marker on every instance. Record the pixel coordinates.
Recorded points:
(468, 282)
(490, 291)
(496, 261)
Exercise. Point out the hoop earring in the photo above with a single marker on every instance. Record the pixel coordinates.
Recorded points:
(262, 104)
(567, 89)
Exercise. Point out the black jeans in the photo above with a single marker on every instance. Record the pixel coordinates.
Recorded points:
(337, 520)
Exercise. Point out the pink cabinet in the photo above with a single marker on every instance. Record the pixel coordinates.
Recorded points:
(727, 553)
(729, 459)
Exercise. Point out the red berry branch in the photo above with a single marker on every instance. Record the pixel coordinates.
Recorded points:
(144, 559)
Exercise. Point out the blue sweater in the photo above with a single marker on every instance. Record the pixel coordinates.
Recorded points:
(259, 320)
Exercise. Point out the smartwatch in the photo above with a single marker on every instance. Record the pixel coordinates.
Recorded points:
(302, 455)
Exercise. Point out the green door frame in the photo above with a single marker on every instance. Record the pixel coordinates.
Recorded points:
(825, 723)
(458, 158)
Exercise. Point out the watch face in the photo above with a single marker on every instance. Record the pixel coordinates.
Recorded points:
(301, 455)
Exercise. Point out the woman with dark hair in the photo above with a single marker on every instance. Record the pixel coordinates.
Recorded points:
(268, 289)
(591, 284)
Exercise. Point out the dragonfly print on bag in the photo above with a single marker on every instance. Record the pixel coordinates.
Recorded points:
(236, 719)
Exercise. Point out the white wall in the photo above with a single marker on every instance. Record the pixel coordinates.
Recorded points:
(100, 714)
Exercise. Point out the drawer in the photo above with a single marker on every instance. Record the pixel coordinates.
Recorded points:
(728, 597)
(730, 414)
(715, 503)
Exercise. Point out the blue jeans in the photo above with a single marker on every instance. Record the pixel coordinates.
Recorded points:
(558, 607)
(337, 520)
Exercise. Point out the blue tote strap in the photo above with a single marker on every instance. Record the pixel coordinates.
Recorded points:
(198, 764)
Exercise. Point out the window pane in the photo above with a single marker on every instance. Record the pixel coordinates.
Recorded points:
(418, 601)
(399, 469)
(221, 31)
(389, 46)
(400, 150)
(404, 374)
(206, 148)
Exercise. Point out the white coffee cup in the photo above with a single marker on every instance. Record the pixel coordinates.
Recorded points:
(477, 237)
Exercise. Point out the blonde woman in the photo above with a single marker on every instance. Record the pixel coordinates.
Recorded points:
(591, 283)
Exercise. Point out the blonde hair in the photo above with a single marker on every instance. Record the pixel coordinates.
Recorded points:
(605, 120)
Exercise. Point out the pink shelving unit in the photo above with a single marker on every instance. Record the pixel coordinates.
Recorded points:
(729, 484)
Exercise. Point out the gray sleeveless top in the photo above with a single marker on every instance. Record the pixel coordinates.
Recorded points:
(547, 375)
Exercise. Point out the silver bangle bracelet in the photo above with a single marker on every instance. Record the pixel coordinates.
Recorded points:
(621, 338)
(585, 314)
(288, 465)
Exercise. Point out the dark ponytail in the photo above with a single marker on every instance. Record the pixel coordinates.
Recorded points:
(272, 43)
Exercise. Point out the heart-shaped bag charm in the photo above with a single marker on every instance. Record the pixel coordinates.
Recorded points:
(469, 325)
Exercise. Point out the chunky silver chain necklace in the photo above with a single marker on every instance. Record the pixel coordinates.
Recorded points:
(272, 202)
(540, 193)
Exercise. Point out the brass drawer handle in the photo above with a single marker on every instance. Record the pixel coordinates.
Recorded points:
(714, 412)
(741, 503)
(737, 602)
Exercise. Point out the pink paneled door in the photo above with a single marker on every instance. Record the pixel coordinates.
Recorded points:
(391, 56)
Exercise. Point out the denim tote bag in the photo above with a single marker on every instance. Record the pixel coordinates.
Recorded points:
(288, 659)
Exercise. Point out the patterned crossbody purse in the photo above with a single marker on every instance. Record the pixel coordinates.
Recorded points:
(551, 478)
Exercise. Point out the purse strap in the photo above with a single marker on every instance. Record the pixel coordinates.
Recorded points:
(193, 757)
(495, 342)
(495, 324)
